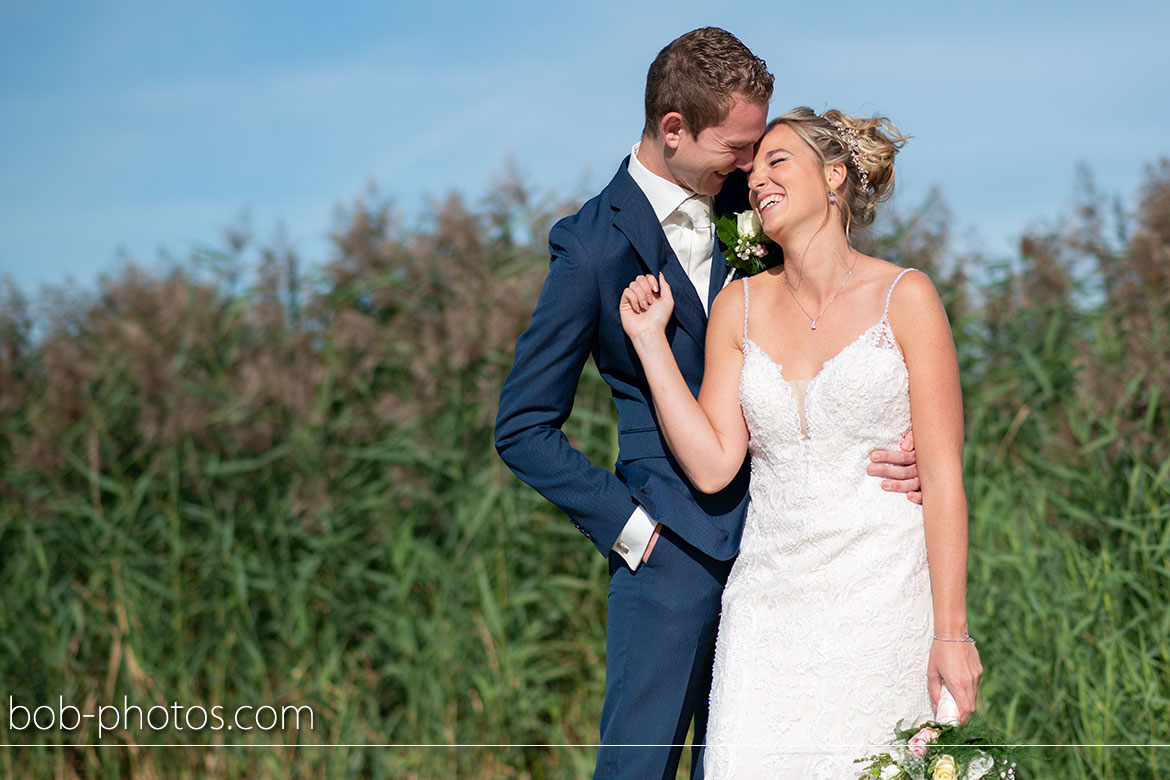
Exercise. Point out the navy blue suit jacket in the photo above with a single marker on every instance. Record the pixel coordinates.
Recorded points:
(596, 253)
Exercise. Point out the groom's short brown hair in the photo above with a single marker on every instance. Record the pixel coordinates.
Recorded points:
(698, 74)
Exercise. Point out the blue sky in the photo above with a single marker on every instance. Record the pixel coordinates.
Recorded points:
(133, 126)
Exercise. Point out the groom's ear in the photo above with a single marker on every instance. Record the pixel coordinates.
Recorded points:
(671, 127)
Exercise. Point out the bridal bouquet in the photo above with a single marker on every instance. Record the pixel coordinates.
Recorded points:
(941, 749)
(745, 240)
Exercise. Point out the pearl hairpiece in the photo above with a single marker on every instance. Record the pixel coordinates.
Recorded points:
(849, 135)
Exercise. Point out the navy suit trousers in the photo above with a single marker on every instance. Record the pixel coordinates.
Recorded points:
(660, 644)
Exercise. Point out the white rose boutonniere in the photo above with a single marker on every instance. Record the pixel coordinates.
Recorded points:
(748, 224)
(746, 242)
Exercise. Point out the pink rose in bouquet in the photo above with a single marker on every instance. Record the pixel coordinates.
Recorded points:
(918, 743)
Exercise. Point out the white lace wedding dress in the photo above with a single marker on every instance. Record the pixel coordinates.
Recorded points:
(827, 617)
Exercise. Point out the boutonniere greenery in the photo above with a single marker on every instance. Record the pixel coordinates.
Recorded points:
(746, 243)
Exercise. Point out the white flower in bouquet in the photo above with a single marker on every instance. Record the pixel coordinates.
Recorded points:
(979, 766)
(944, 768)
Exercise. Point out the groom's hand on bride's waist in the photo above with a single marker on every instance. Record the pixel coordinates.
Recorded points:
(898, 469)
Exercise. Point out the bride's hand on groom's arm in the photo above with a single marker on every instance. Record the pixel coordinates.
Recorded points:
(898, 469)
(646, 307)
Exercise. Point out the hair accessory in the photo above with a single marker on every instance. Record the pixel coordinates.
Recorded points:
(849, 136)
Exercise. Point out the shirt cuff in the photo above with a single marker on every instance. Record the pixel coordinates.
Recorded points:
(631, 544)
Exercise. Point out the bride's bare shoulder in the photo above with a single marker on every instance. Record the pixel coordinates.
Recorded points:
(727, 312)
(911, 287)
(731, 293)
(916, 310)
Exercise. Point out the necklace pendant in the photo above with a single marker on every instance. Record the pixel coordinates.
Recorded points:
(813, 326)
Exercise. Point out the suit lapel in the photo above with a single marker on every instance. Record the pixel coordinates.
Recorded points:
(718, 273)
(637, 222)
(731, 199)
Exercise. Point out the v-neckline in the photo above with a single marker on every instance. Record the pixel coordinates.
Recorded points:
(804, 423)
(748, 340)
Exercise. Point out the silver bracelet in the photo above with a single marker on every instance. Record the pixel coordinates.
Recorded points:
(964, 638)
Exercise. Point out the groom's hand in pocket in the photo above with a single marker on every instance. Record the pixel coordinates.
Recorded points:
(898, 469)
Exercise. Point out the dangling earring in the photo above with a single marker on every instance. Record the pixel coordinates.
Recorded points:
(832, 198)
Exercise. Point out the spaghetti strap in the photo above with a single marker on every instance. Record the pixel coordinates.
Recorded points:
(890, 292)
(745, 308)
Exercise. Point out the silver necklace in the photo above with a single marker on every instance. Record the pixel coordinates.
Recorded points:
(813, 320)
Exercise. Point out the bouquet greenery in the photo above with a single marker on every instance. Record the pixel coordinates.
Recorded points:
(942, 749)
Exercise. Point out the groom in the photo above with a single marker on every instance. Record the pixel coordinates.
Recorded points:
(670, 547)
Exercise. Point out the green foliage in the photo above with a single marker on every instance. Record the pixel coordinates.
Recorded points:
(288, 496)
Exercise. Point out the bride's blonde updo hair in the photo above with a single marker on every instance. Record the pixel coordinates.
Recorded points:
(866, 147)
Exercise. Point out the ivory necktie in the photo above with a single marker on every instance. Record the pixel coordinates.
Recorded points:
(699, 244)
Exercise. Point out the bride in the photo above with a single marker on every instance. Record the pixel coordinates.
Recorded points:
(845, 611)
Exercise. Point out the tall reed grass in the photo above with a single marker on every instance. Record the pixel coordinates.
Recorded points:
(287, 495)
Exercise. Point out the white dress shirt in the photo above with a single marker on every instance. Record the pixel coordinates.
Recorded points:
(686, 220)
